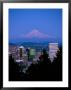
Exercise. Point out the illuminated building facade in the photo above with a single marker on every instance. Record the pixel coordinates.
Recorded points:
(53, 48)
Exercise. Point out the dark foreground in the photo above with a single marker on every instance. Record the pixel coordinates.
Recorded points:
(43, 71)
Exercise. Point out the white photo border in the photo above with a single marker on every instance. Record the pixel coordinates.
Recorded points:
(64, 82)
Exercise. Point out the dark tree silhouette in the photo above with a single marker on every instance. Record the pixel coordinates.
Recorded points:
(39, 71)
(57, 65)
(13, 69)
(43, 71)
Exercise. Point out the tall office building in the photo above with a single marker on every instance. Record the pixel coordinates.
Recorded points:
(53, 48)
(21, 53)
(12, 50)
(32, 53)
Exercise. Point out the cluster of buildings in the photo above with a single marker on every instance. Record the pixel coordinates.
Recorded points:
(30, 55)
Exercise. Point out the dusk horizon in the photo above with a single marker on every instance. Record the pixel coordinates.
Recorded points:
(35, 24)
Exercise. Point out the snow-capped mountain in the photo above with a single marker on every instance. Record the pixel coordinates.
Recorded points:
(35, 34)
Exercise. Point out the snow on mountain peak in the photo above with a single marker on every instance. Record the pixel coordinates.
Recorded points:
(35, 33)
